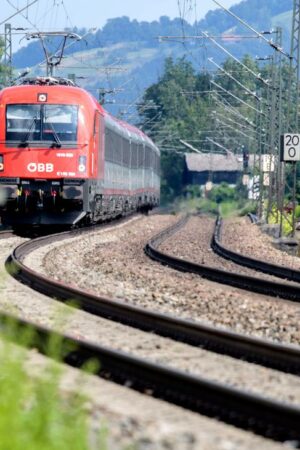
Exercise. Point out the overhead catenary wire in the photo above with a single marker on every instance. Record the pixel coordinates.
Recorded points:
(253, 94)
(189, 146)
(256, 75)
(236, 130)
(261, 35)
(237, 98)
(219, 145)
(19, 11)
(220, 99)
(251, 130)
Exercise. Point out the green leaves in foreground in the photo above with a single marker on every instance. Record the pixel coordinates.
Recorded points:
(34, 414)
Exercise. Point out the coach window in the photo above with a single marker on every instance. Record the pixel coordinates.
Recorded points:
(126, 152)
(134, 155)
(109, 154)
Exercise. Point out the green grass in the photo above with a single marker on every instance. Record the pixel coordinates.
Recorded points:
(34, 414)
(228, 209)
(205, 206)
(33, 410)
(196, 204)
(287, 219)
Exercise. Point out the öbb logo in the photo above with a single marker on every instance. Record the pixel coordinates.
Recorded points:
(40, 167)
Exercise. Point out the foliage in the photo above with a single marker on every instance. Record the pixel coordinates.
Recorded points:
(297, 211)
(275, 217)
(3, 69)
(259, 14)
(196, 204)
(173, 115)
(34, 415)
(193, 191)
(249, 208)
(207, 206)
(228, 208)
(170, 117)
(222, 193)
(172, 171)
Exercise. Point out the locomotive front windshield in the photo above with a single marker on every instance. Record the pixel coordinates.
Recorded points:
(39, 123)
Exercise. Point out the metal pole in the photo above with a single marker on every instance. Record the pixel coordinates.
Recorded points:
(274, 198)
(271, 142)
(293, 98)
(261, 178)
(8, 53)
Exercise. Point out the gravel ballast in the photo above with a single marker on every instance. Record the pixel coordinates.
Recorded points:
(114, 264)
(132, 417)
(242, 236)
(193, 243)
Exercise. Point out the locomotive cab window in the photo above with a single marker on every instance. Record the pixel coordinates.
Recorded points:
(62, 120)
(23, 121)
(39, 123)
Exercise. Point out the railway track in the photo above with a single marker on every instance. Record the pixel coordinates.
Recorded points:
(5, 234)
(253, 412)
(253, 284)
(250, 412)
(277, 356)
(246, 261)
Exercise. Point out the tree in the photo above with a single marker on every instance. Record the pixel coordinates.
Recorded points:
(3, 69)
(172, 110)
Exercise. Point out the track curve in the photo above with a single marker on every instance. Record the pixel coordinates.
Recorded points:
(285, 358)
(253, 263)
(231, 405)
(5, 234)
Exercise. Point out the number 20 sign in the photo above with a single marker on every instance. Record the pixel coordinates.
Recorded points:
(290, 147)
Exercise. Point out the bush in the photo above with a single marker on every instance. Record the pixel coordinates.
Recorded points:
(207, 207)
(297, 211)
(286, 220)
(193, 191)
(228, 208)
(34, 415)
(222, 193)
(249, 208)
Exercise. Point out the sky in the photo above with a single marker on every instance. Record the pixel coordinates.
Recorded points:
(55, 14)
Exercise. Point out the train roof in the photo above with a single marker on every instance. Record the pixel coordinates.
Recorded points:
(24, 93)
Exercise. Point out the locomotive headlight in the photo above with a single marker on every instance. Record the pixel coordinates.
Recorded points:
(82, 164)
(1, 163)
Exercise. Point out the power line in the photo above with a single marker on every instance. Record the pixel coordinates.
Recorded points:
(261, 35)
(19, 11)
(256, 75)
(253, 94)
(237, 98)
(229, 108)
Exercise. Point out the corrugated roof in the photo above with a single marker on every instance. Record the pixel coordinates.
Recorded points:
(213, 162)
(216, 162)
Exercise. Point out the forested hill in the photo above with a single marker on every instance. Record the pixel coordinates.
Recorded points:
(135, 57)
(262, 14)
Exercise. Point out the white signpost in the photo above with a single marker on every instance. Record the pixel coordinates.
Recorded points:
(268, 163)
(290, 147)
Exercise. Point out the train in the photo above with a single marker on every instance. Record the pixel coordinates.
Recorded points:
(64, 160)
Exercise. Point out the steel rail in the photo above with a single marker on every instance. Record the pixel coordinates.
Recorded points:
(4, 234)
(251, 412)
(255, 413)
(285, 358)
(250, 283)
(286, 273)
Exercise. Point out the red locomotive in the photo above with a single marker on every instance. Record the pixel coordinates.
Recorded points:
(65, 160)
